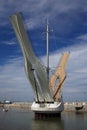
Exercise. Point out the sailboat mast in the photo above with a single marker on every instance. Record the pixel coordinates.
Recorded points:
(47, 44)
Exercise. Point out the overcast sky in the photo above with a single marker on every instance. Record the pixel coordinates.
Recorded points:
(68, 20)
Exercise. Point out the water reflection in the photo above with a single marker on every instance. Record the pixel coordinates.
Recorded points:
(50, 124)
(68, 121)
(75, 121)
(24, 120)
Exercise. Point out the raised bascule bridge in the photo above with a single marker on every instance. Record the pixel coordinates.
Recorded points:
(47, 90)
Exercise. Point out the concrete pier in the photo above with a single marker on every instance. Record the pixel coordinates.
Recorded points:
(47, 115)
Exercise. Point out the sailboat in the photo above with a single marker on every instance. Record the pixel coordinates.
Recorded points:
(47, 90)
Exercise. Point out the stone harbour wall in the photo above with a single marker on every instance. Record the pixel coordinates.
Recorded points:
(27, 106)
(72, 106)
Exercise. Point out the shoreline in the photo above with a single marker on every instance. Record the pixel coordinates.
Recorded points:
(27, 106)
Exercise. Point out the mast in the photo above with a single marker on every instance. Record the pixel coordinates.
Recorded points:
(47, 44)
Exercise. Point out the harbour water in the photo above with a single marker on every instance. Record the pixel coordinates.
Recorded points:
(24, 120)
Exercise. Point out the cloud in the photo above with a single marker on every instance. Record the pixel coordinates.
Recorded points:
(13, 82)
(11, 42)
(82, 38)
(65, 12)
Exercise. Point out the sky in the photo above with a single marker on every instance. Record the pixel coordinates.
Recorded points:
(68, 32)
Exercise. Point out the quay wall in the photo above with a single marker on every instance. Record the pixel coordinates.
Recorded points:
(27, 106)
(17, 105)
(71, 106)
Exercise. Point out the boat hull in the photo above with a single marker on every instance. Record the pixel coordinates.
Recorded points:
(79, 108)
